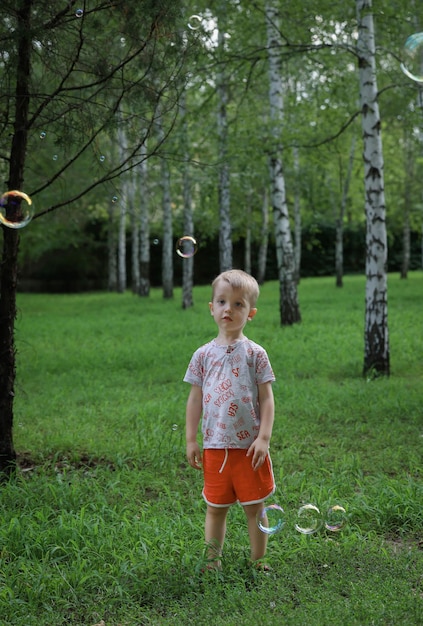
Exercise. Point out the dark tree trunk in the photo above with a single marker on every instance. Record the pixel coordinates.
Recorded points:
(9, 264)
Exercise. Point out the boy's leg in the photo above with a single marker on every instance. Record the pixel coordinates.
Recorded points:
(258, 539)
(215, 531)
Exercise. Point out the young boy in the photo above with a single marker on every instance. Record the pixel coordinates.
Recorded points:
(231, 387)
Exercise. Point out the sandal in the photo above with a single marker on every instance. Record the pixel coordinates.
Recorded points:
(261, 567)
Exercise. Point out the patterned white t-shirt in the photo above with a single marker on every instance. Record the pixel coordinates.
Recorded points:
(229, 377)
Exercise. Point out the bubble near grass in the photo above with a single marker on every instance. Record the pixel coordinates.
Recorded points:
(194, 22)
(336, 518)
(16, 209)
(412, 65)
(309, 519)
(271, 519)
(186, 247)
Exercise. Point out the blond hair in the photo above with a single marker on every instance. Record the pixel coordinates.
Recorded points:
(238, 279)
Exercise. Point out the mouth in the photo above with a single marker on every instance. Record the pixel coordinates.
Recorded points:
(226, 318)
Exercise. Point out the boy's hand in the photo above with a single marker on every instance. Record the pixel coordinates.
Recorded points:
(194, 455)
(258, 449)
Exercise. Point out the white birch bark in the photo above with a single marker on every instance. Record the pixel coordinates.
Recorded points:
(247, 245)
(135, 242)
(144, 230)
(112, 281)
(297, 216)
(187, 264)
(376, 340)
(167, 249)
(339, 236)
(225, 227)
(264, 239)
(121, 287)
(289, 309)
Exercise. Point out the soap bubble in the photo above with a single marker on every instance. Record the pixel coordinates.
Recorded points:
(16, 209)
(271, 519)
(310, 521)
(55, 157)
(156, 242)
(336, 518)
(115, 199)
(79, 12)
(194, 22)
(102, 158)
(412, 65)
(186, 247)
(43, 134)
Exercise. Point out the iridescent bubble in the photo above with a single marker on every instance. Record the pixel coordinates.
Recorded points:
(102, 158)
(310, 519)
(115, 199)
(412, 65)
(175, 427)
(79, 12)
(271, 519)
(336, 518)
(186, 247)
(194, 22)
(43, 134)
(16, 209)
(55, 157)
(156, 242)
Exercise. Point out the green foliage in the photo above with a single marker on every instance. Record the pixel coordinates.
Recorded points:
(104, 520)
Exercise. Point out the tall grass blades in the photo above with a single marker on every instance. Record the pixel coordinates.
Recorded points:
(103, 522)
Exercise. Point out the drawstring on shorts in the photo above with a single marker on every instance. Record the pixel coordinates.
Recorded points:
(224, 460)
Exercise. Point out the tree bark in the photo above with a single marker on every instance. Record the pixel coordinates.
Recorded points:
(9, 264)
(339, 237)
(376, 339)
(188, 263)
(297, 216)
(123, 201)
(167, 250)
(144, 289)
(288, 297)
(225, 227)
(264, 238)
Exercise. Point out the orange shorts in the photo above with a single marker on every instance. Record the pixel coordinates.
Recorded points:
(229, 478)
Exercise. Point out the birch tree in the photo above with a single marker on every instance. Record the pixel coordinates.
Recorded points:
(167, 249)
(123, 203)
(288, 298)
(187, 263)
(376, 340)
(144, 228)
(225, 227)
(339, 230)
(264, 237)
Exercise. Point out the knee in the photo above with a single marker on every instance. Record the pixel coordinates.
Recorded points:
(251, 510)
(216, 512)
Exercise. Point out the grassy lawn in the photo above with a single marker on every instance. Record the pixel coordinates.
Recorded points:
(104, 520)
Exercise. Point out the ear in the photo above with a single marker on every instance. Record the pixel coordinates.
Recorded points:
(251, 314)
(211, 307)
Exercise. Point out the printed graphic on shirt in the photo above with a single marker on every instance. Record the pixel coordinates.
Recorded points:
(229, 381)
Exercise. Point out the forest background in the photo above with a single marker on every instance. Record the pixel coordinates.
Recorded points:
(96, 237)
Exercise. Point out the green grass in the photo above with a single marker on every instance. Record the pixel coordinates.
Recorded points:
(104, 521)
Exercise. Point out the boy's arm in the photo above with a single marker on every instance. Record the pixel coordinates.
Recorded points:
(193, 416)
(260, 446)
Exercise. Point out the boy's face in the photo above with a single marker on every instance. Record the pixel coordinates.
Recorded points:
(230, 308)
